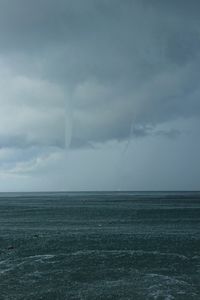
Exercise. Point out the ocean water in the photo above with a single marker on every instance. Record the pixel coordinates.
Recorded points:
(100, 246)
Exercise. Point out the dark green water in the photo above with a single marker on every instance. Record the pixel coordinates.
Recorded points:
(100, 246)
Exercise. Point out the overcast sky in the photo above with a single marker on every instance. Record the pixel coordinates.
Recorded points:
(99, 95)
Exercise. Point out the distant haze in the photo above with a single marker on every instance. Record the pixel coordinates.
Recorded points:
(99, 95)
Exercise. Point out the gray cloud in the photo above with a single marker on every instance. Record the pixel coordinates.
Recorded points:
(118, 64)
(90, 72)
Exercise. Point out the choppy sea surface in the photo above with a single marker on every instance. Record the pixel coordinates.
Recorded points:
(100, 246)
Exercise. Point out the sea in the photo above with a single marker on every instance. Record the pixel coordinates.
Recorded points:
(100, 245)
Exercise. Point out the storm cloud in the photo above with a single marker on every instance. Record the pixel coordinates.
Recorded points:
(93, 73)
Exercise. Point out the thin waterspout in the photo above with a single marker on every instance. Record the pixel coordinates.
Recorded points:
(120, 162)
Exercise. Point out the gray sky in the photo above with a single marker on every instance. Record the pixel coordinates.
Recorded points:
(99, 95)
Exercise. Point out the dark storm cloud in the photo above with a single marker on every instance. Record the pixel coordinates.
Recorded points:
(124, 66)
(117, 80)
